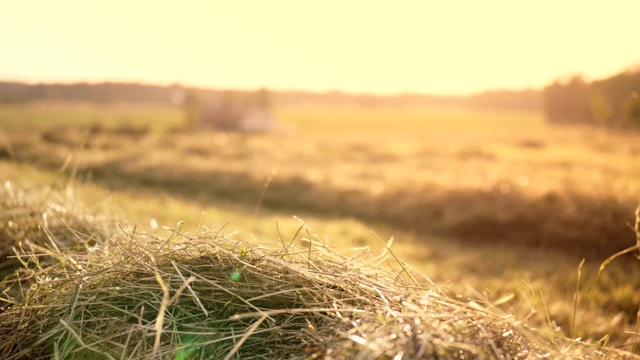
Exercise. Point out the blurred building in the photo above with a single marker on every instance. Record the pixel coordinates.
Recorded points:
(231, 111)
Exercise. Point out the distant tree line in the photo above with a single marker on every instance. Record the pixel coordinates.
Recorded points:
(528, 100)
(13, 92)
(613, 102)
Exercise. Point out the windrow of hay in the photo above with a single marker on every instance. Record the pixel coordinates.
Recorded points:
(203, 295)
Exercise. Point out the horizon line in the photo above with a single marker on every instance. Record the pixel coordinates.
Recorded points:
(271, 89)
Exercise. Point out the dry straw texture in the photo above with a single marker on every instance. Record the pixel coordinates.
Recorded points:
(106, 292)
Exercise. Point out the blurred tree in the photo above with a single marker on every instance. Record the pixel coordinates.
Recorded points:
(619, 90)
(601, 109)
(633, 110)
(567, 102)
(264, 100)
(612, 102)
(192, 110)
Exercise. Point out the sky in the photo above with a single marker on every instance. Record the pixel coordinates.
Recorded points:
(385, 47)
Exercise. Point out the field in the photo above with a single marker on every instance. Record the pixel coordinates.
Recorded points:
(500, 207)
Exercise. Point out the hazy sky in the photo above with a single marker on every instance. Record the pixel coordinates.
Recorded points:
(439, 47)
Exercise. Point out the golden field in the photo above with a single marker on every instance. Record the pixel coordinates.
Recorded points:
(496, 206)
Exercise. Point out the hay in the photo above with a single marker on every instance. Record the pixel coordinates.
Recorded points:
(203, 295)
(44, 215)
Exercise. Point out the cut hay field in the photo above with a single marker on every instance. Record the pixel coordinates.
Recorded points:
(498, 209)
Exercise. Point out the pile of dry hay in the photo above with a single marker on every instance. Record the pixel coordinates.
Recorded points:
(128, 295)
(41, 215)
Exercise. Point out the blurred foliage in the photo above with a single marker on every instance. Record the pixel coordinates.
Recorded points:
(612, 102)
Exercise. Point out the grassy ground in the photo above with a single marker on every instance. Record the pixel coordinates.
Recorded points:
(47, 115)
(494, 178)
(86, 287)
(491, 205)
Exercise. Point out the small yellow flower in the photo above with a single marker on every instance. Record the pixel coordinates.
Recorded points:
(243, 251)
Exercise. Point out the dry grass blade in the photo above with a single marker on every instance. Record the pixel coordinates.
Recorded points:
(576, 298)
